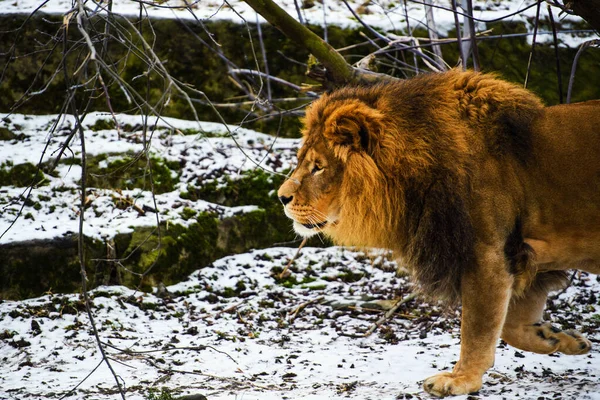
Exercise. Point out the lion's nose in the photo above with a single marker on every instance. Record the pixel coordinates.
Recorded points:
(284, 200)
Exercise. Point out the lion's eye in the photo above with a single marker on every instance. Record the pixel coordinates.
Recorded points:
(316, 169)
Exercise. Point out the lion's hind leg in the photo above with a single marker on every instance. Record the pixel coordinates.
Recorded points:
(524, 330)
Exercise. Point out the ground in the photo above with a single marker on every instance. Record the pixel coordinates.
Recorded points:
(233, 330)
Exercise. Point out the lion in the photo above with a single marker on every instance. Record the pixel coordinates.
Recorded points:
(486, 195)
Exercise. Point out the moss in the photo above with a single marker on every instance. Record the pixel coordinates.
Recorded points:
(21, 175)
(102, 124)
(188, 213)
(6, 134)
(171, 253)
(130, 171)
(194, 132)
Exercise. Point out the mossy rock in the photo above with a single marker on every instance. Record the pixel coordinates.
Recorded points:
(131, 171)
(174, 251)
(32, 268)
(7, 134)
(21, 175)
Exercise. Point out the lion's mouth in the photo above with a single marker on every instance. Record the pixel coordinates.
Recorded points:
(318, 225)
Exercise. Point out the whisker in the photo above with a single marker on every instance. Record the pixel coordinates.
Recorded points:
(312, 220)
(320, 214)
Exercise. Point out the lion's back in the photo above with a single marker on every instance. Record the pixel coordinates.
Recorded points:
(564, 171)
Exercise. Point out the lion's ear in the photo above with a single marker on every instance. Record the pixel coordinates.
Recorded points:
(353, 126)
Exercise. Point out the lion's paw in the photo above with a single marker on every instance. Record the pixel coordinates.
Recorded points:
(449, 383)
(573, 342)
(567, 342)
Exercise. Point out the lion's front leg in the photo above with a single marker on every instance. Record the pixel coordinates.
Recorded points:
(486, 292)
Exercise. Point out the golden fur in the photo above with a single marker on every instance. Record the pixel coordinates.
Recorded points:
(485, 194)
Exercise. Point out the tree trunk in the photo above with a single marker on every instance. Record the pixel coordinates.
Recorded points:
(586, 9)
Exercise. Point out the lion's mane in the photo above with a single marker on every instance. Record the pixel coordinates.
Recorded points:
(409, 187)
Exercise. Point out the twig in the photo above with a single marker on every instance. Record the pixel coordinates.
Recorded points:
(81, 382)
(324, 8)
(389, 314)
(282, 275)
(532, 52)
(192, 348)
(271, 78)
(471, 24)
(228, 309)
(433, 34)
(463, 57)
(264, 56)
(300, 18)
(221, 378)
(555, 40)
(303, 306)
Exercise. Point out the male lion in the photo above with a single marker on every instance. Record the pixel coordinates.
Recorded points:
(485, 194)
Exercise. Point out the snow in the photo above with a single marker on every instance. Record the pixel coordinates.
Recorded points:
(261, 344)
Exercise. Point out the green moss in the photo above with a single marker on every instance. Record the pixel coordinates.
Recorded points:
(131, 171)
(164, 394)
(6, 134)
(21, 175)
(188, 213)
(194, 132)
(102, 124)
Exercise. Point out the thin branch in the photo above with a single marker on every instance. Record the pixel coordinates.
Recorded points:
(285, 272)
(555, 41)
(463, 56)
(431, 28)
(532, 52)
(585, 45)
(264, 57)
(471, 26)
(191, 348)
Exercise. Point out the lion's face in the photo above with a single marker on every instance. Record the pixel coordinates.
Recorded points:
(311, 195)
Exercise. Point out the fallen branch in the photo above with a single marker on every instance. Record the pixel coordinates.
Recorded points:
(303, 306)
(389, 314)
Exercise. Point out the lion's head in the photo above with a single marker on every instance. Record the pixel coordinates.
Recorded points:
(311, 196)
(339, 186)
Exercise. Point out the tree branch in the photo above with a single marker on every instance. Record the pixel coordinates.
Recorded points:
(337, 71)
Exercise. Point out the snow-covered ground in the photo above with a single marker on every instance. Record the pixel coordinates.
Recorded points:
(233, 331)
